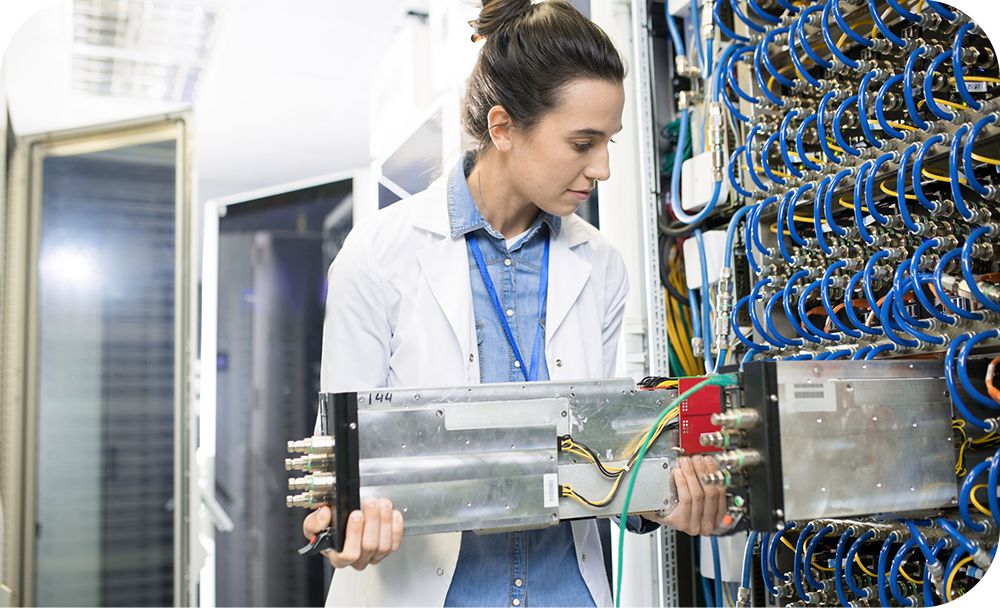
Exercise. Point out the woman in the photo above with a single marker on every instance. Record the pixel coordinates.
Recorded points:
(421, 293)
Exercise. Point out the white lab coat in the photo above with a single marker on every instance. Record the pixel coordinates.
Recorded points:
(399, 313)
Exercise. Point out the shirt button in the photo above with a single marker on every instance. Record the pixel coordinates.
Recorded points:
(558, 362)
(518, 582)
(516, 602)
(472, 357)
(517, 364)
(510, 312)
(440, 571)
(507, 262)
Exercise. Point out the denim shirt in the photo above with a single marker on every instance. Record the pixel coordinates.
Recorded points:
(536, 567)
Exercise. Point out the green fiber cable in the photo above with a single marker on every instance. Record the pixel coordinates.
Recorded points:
(716, 380)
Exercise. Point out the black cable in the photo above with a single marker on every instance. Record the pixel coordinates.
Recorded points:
(665, 243)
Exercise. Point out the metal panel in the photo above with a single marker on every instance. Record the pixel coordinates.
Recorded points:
(881, 434)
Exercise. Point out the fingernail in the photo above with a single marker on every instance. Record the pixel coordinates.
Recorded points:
(385, 505)
(356, 516)
(369, 503)
(699, 459)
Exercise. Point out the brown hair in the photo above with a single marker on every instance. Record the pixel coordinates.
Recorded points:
(531, 52)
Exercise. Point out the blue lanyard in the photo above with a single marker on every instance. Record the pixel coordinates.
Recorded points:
(531, 374)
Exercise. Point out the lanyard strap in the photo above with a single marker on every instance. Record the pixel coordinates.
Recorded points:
(531, 374)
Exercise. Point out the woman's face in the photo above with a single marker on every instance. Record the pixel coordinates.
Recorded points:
(555, 164)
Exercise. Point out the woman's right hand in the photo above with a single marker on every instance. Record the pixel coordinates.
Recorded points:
(372, 533)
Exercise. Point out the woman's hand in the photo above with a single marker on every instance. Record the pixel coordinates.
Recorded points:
(372, 533)
(700, 508)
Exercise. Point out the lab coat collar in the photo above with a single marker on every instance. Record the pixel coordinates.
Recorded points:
(445, 265)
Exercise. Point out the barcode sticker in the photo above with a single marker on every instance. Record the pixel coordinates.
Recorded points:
(976, 87)
(550, 488)
(810, 397)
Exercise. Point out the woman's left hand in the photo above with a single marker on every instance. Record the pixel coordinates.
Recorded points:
(700, 508)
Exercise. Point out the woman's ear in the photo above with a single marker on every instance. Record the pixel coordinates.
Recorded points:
(500, 126)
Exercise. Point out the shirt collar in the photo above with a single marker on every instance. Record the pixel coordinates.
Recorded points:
(463, 214)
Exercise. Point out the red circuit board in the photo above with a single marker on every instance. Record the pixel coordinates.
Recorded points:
(695, 415)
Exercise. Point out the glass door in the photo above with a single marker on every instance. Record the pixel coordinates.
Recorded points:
(104, 386)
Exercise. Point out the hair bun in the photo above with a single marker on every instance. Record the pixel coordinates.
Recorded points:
(497, 14)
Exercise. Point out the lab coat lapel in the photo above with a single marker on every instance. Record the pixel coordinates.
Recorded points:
(568, 273)
(445, 265)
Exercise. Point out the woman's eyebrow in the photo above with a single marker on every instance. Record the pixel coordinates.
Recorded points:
(592, 132)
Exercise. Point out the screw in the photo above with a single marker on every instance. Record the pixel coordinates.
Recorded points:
(564, 413)
(353, 426)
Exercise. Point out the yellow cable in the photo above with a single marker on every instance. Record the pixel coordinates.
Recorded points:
(986, 159)
(908, 577)
(944, 102)
(845, 204)
(976, 503)
(857, 560)
(941, 178)
(951, 577)
(977, 79)
(884, 188)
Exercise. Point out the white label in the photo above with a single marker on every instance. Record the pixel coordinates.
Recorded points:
(810, 397)
(550, 488)
(976, 87)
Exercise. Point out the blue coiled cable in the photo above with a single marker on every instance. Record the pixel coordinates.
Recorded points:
(970, 173)
(880, 107)
(838, 15)
(911, 105)
(828, 304)
(959, 70)
(938, 8)
(706, 304)
(810, 551)
(897, 563)
(765, 55)
(964, 497)
(870, 187)
(917, 285)
(963, 368)
(800, 147)
(797, 565)
(731, 80)
(675, 34)
(970, 278)
(714, 542)
(769, 321)
(722, 25)
(882, 27)
(760, 12)
(793, 52)
(866, 128)
(765, 571)
(755, 318)
(786, 302)
(758, 73)
(748, 558)
(917, 172)
(772, 554)
(929, 90)
(991, 487)
(817, 220)
(751, 168)
(736, 328)
(734, 158)
(782, 209)
(838, 134)
(783, 142)
(946, 259)
(828, 39)
(869, 278)
(956, 184)
(904, 12)
(928, 595)
(860, 202)
(849, 568)
(838, 568)
(804, 316)
(765, 161)
(904, 208)
(828, 200)
(790, 214)
(803, 21)
(883, 557)
(885, 316)
(675, 180)
(949, 378)
(852, 284)
(821, 126)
